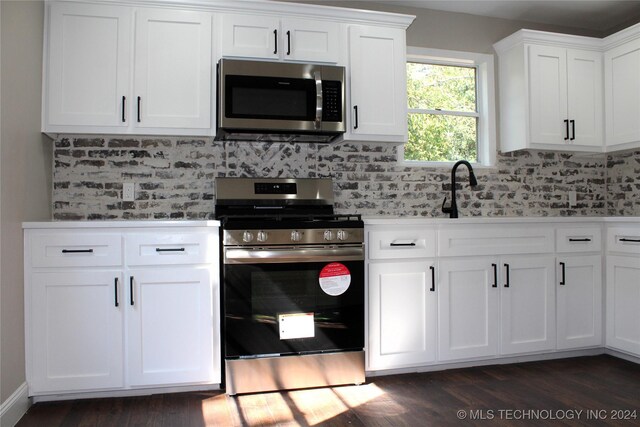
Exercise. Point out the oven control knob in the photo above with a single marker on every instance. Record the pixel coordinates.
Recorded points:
(247, 236)
(262, 236)
(328, 235)
(296, 236)
(342, 235)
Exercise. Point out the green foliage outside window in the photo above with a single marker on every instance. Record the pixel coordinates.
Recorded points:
(448, 136)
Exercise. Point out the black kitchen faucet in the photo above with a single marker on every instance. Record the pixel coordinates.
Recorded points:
(453, 209)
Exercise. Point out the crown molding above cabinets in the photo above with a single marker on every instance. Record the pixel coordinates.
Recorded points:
(560, 92)
(149, 67)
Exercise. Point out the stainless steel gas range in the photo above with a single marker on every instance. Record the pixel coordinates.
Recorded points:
(292, 286)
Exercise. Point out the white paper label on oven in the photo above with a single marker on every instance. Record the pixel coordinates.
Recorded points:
(335, 279)
(296, 325)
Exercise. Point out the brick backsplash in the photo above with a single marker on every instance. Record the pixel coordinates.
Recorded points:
(174, 179)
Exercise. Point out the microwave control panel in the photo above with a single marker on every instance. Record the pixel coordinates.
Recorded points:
(331, 101)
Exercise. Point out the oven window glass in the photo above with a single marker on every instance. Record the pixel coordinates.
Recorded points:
(257, 295)
(269, 98)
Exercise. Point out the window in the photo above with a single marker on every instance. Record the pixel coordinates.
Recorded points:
(451, 113)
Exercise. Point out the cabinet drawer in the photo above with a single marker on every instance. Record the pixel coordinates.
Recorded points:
(167, 248)
(624, 239)
(495, 240)
(584, 239)
(402, 243)
(76, 250)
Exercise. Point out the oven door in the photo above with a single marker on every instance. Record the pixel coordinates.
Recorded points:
(293, 301)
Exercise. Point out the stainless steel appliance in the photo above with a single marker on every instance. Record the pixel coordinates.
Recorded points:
(259, 100)
(292, 286)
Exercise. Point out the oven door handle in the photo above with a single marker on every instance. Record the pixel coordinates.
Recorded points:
(279, 256)
(319, 95)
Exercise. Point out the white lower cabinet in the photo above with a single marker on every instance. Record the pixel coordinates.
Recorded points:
(96, 320)
(76, 328)
(175, 348)
(527, 300)
(579, 299)
(623, 303)
(468, 308)
(402, 314)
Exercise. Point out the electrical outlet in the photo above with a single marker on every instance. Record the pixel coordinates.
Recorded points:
(128, 192)
(573, 199)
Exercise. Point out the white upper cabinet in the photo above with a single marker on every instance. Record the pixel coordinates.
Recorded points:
(88, 70)
(289, 39)
(173, 69)
(622, 95)
(88, 74)
(378, 79)
(551, 93)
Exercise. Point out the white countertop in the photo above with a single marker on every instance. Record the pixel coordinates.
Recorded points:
(120, 224)
(387, 220)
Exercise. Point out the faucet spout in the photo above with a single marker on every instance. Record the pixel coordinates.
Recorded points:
(452, 210)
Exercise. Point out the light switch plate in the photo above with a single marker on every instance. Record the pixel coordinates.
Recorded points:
(573, 199)
(128, 192)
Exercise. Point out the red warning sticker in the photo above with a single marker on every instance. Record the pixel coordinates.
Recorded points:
(334, 279)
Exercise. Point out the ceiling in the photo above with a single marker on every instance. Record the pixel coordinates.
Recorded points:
(596, 15)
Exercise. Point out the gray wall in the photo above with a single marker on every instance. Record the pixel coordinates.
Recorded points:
(25, 179)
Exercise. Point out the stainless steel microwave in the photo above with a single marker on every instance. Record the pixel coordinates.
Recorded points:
(259, 100)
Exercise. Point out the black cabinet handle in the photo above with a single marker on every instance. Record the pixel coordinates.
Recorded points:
(124, 98)
(131, 289)
(77, 251)
(355, 108)
(506, 285)
(115, 289)
(573, 129)
(624, 239)
(170, 250)
(562, 280)
(579, 240)
(139, 99)
(566, 122)
(495, 275)
(402, 244)
(275, 38)
(433, 278)
(288, 42)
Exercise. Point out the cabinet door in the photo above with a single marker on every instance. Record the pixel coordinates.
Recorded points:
(378, 82)
(579, 298)
(622, 93)
(170, 326)
(251, 36)
(584, 80)
(468, 304)
(173, 70)
(76, 331)
(527, 304)
(88, 66)
(402, 314)
(623, 303)
(312, 41)
(547, 94)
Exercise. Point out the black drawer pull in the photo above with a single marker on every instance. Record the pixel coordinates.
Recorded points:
(630, 240)
(170, 250)
(433, 278)
(77, 251)
(579, 240)
(562, 281)
(402, 244)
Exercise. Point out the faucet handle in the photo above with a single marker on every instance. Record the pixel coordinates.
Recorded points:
(446, 209)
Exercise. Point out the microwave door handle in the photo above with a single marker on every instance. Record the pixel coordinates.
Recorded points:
(318, 77)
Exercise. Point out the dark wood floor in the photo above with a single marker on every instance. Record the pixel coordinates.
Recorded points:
(535, 393)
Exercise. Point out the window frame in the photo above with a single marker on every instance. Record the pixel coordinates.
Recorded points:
(485, 101)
